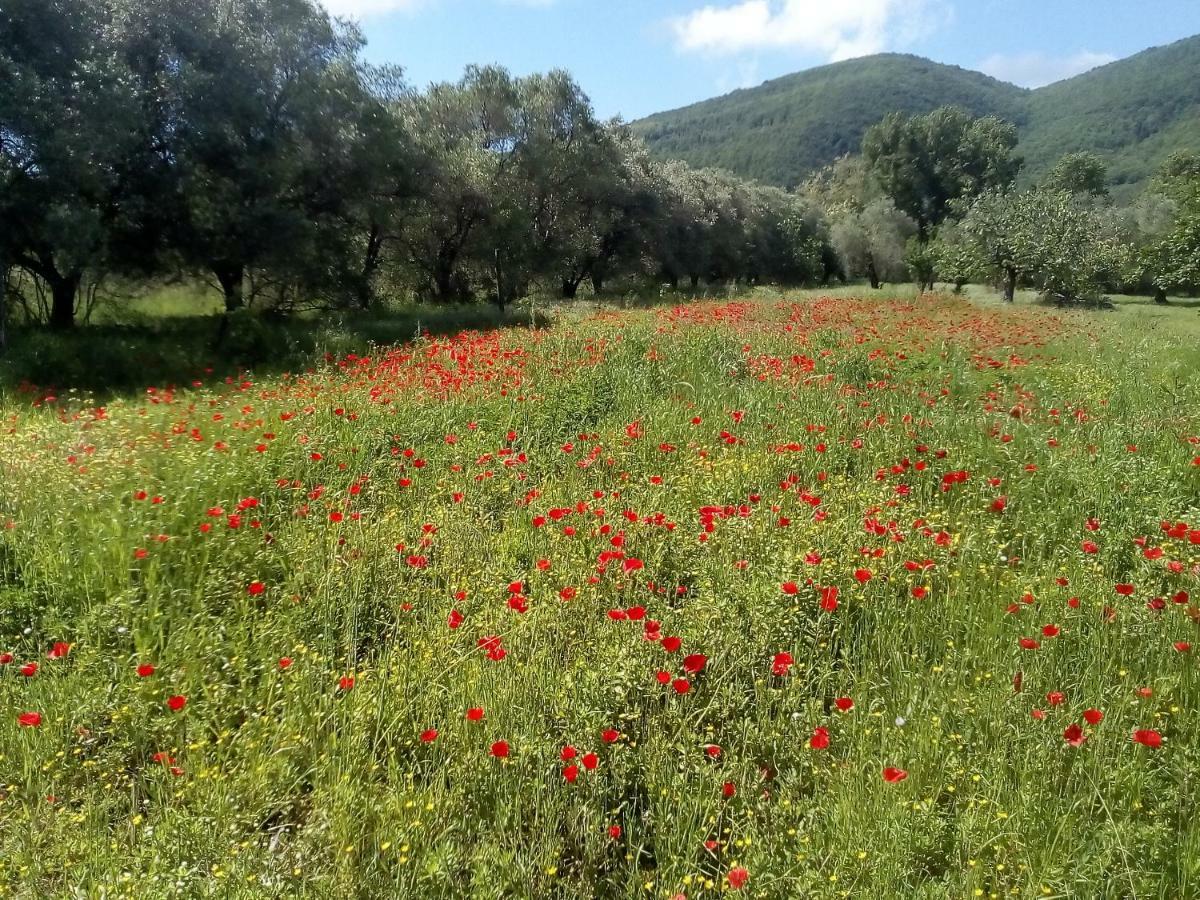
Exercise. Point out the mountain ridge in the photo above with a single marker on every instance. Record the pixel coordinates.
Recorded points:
(1132, 112)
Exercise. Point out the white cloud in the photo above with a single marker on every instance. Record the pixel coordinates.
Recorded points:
(1036, 69)
(837, 29)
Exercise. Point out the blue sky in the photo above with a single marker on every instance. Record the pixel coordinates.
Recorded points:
(634, 57)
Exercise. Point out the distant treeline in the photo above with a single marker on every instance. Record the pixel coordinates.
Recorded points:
(248, 143)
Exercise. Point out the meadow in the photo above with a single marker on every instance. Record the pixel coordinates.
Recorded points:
(784, 595)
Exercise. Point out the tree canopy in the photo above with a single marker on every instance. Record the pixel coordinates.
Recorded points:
(925, 163)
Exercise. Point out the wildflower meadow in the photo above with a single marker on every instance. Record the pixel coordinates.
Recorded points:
(776, 597)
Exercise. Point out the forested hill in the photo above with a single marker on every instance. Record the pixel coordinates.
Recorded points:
(1132, 112)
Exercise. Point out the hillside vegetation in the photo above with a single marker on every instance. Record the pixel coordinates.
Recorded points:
(1134, 113)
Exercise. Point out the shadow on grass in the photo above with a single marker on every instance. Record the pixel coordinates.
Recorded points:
(126, 357)
(141, 351)
(113, 359)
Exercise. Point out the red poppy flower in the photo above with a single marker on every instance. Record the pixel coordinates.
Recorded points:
(1147, 737)
(570, 773)
(893, 775)
(285, 662)
(475, 714)
(737, 878)
(790, 587)
(1073, 735)
(500, 749)
(844, 704)
(29, 669)
(5, 659)
(145, 670)
(609, 735)
(59, 650)
(614, 832)
(694, 663)
(829, 596)
(429, 735)
(1093, 716)
(346, 683)
(29, 719)
(176, 703)
(255, 588)
(681, 685)
(781, 664)
(671, 644)
(819, 739)
(1055, 698)
(728, 790)
(862, 576)
(1125, 590)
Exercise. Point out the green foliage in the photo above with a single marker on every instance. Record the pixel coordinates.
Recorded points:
(927, 162)
(1078, 173)
(845, 185)
(957, 258)
(71, 141)
(1054, 239)
(921, 260)
(1173, 261)
(873, 243)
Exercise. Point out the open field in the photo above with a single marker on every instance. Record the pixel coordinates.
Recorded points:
(790, 596)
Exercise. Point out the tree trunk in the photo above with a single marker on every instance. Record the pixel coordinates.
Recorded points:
(1160, 296)
(873, 275)
(695, 281)
(498, 274)
(569, 288)
(673, 281)
(597, 283)
(231, 277)
(443, 277)
(63, 291)
(1010, 284)
(370, 265)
